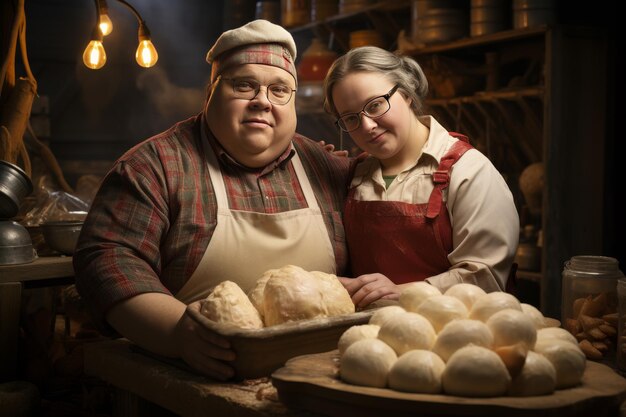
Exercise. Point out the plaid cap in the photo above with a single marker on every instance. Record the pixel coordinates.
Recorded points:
(257, 42)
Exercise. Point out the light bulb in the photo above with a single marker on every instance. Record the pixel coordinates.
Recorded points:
(94, 56)
(106, 26)
(146, 54)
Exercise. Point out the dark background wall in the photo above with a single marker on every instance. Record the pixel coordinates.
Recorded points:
(97, 114)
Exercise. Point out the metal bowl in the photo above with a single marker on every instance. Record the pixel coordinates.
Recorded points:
(14, 186)
(15, 244)
(62, 236)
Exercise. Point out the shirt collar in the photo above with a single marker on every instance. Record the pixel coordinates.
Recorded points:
(226, 159)
(437, 142)
(435, 147)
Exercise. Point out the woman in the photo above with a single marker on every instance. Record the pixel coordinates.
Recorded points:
(424, 205)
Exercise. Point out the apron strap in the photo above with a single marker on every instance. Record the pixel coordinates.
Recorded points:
(441, 177)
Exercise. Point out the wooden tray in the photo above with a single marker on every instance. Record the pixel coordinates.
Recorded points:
(311, 382)
(261, 351)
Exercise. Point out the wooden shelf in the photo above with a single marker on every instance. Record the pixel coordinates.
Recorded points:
(386, 18)
(477, 41)
(530, 92)
(44, 268)
(364, 12)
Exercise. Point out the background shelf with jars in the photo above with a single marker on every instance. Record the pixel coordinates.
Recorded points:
(531, 94)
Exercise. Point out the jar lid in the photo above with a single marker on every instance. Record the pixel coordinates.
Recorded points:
(594, 265)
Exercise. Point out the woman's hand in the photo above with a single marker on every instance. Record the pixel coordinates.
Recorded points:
(368, 288)
(203, 349)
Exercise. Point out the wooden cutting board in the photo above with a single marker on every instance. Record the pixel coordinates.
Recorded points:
(310, 382)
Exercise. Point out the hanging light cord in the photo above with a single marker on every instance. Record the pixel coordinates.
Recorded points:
(135, 12)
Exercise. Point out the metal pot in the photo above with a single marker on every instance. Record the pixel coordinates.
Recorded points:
(16, 246)
(14, 186)
(62, 236)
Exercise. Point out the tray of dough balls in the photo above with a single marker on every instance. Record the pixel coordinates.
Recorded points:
(463, 352)
(288, 312)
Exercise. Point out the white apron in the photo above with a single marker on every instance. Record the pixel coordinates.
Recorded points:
(246, 244)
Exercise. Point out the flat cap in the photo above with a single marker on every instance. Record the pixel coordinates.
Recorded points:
(259, 41)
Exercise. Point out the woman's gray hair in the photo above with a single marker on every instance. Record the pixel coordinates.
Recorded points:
(401, 70)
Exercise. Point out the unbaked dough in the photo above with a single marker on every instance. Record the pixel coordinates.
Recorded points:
(385, 313)
(441, 309)
(460, 333)
(475, 371)
(536, 315)
(510, 326)
(406, 332)
(292, 294)
(334, 295)
(356, 333)
(367, 362)
(568, 360)
(538, 377)
(467, 293)
(416, 292)
(417, 371)
(490, 303)
(556, 333)
(256, 293)
(227, 303)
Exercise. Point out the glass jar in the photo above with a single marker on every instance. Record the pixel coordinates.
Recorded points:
(589, 304)
(621, 326)
(295, 12)
(315, 62)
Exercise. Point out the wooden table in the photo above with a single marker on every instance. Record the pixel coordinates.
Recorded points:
(146, 386)
(44, 271)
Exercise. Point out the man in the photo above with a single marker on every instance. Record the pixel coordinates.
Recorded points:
(225, 195)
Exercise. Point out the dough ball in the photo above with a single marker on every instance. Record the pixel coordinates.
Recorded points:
(256, 293)
(491, 303)
(334, 295)
(367, 362)
(227, 303)
(475, 371)
(406, 332)
(538, 377)
(467, 293)
(441, 309)
(536, 315)
(510, 326)
(568, 360)
(292, 294)
(385, 313)
(513, 357)
(356, 333)
(413, 295)
(460, 333)
(417, 371)
(556, 333)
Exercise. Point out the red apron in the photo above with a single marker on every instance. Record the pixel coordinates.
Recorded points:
(403, 241)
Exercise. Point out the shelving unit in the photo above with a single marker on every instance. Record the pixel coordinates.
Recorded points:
(387, 18)
(523, 96)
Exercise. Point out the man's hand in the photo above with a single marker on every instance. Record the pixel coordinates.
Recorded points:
(203, 349)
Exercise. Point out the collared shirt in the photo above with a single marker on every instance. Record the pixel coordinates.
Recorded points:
(155, 212)
(485, 223)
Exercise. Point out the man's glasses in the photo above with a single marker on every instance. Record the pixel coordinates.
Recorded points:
(373, 109)
(248, 89)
